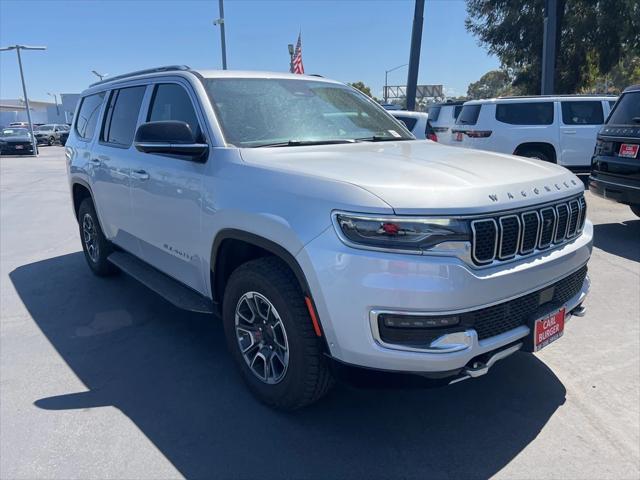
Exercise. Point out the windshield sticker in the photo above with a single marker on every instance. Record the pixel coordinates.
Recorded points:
(394, 133)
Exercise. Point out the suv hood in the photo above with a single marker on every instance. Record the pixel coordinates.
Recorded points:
(422, 177)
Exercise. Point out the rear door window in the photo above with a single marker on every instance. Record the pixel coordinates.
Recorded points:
(456, 111)
(122, 116)
(582, 113)
(627, 110)
(468, 115)
(526, 113)
(171, 102)
(434, 113)
(87, 117)
(409, 122)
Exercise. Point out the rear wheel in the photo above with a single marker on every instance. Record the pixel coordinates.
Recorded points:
(271, 337)
(635, 209)
(51, 140)
(94, 244)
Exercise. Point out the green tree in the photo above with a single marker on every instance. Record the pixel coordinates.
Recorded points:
(362, 87)
(593, 37)
(492, 84)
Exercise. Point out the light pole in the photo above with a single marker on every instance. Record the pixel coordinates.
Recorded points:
(99, 75)
(223, 44)
(386, 73)
(55, 99)
(17, 48)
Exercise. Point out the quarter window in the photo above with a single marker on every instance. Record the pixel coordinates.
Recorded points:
(582, 113)
(87, 118)
(409, 122)
(122, 115)
(533, 113)
(171, 102)
(469, 115)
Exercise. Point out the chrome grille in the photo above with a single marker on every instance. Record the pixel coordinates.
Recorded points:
(522, 233)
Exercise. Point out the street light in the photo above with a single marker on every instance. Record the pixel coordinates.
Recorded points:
(223, 44)
(55, 99)
(17, 48)
(386, 73)
(99, 75)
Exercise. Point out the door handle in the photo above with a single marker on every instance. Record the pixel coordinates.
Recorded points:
(140, 174)
(95, 161)
(569, 132)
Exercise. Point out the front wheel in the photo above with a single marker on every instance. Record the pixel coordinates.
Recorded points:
(51, 140)
(635, 209)
(271, 336)
(94, 244)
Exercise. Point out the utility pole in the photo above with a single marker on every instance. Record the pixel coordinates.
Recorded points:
(414, 57)
(223, 44)
(291, 52)
(17, 48)
(549, 46)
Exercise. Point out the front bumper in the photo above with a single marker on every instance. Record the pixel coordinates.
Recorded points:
(349, 286)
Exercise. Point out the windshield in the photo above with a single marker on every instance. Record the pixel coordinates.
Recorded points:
(255, 112)
(15, 132)
(434, 113)
(627, 110)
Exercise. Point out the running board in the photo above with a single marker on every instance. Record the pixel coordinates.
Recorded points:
(162, 284)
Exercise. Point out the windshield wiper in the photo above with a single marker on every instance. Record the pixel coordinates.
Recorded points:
(298, 143)
(379, 138)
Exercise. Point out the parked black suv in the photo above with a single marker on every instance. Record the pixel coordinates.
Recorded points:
(615, 166)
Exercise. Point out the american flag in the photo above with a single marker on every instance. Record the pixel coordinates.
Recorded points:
(296, 64)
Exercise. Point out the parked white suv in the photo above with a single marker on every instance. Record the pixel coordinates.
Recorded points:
(559, 129)
(328, 238)
(442, 117)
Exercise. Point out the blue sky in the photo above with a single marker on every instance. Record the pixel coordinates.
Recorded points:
(345, 40)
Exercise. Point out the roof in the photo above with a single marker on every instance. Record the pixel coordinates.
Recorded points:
(181, 69)
(632, 88)
(550, 98)
(448, 104)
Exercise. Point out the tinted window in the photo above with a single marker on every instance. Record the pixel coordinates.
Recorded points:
(171, 102)
(582, 113)
(627, 111)
(434, 113)
(122, 115)
(410, 122)
(456, 111)
(468, 115)
(611, 104)
(88, 115)
(535, 113)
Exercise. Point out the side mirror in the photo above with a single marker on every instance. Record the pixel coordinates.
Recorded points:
(169, 137)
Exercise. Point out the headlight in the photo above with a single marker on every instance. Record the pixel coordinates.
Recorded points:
(405, 234)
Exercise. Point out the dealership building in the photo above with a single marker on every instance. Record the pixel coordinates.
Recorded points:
(15, 110)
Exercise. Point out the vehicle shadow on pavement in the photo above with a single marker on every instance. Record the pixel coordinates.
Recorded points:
(621, 239)
(170, 373)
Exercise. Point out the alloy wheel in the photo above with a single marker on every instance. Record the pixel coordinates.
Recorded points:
(261, 337)
(90, 237)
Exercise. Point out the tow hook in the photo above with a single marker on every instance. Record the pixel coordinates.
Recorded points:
(579, 311)
(479, 368)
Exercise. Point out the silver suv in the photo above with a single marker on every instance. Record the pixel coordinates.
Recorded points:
(323, 233)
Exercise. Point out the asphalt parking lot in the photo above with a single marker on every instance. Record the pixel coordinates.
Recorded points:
(100, 378)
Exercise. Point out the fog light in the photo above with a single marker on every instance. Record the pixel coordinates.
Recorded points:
(411, 321)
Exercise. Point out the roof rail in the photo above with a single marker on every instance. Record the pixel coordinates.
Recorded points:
(569, 95)
(168, 68)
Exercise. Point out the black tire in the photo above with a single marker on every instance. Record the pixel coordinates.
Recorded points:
(536, 154)
(98, 249)
(635, 209)
(307, 377)
(51, 140)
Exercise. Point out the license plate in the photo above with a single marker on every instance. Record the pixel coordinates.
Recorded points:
(458, 137)
(548, 329)
(629, 150)
(19, 147)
